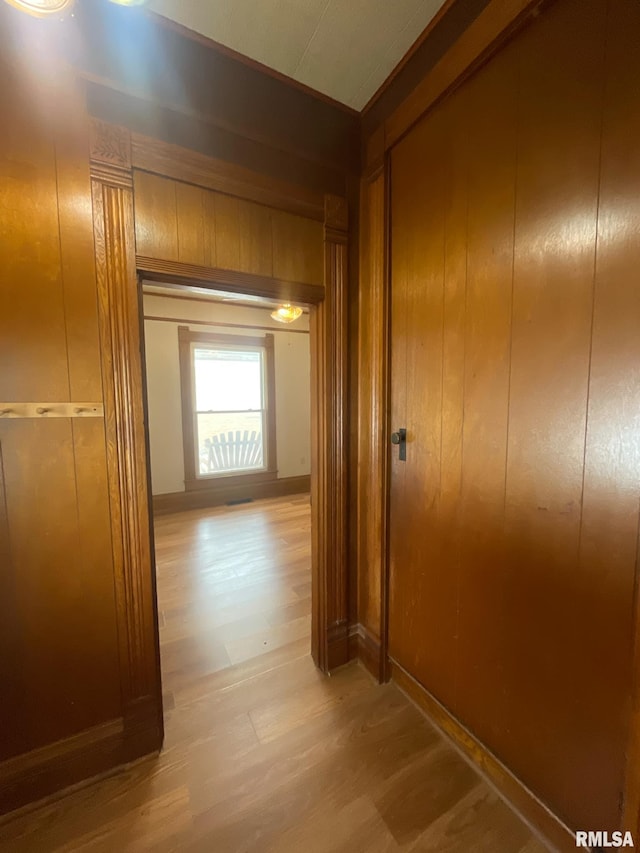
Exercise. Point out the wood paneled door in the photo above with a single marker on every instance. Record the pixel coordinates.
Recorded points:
(515, 350)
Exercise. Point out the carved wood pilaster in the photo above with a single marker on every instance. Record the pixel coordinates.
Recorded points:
(330, 631)
(114, 236)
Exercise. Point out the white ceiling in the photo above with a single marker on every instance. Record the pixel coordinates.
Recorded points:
(343, 48)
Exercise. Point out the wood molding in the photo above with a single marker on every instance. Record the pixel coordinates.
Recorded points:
(338, 644)
(183, 164)
(373, 406)
(366, 647)
(336, 213)
(329, 448)
(374, 154)
(218, 323)
(422, 38)
(517, 795)
(119, 323)
(220, 104)
(175, 272)
(169, 24)
(33, 775)
(109, 144)
(222, 493)
(487, 32)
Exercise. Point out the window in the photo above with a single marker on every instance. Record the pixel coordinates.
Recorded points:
(228, 406)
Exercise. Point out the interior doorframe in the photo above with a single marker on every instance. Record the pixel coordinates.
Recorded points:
(122, 341)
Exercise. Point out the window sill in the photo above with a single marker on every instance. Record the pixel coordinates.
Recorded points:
(210, 484)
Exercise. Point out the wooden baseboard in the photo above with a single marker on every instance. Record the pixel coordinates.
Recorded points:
(94, 752)
(39, 773)
(540, 818)
(222, 493)
(338, 645)
(366, 647)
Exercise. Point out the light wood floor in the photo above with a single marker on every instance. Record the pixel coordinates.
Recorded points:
(262, 753)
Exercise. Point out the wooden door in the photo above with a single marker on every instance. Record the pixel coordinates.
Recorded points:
(515, 351)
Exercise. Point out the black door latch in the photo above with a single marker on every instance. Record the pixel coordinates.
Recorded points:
(400, 438)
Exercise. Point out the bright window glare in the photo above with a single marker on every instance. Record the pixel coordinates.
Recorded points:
(227, 380)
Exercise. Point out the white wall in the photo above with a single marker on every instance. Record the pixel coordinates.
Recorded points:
(293, 384)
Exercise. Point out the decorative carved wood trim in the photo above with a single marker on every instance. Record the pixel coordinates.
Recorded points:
(329, 473)
(182, 164)
(176, 272)
(336, 213)
(119, 322)
(110, 144)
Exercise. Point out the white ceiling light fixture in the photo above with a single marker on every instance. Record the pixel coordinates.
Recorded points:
(41, 8)
(286, 313)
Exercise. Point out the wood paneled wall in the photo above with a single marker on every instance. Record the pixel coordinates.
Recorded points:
(61, 712)
(57, 581)
(189, 224)
(79, 664)
(515, 303)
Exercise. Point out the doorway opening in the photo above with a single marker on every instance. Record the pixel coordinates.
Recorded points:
(228, 428)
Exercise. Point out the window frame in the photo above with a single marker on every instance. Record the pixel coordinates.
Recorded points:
(193, 480)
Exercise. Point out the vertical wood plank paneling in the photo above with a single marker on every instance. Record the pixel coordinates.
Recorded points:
(11, 635)
(256, 253)
(209, 229)
(180, 222)
(156, 220)
(57, 585)
(190, 220)
(425, 307)
(541, 502)
(32, 322)
(555, 233)
(227, 229)
(401, 203)
(296, 256)
(432, 612)
(76, 248)
(454, 166)
(449, 454)
(609, 528)
(58, 646)
(490, 106)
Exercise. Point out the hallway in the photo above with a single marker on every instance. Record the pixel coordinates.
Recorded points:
(262, 753)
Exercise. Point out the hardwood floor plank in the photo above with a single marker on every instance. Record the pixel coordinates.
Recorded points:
(262, 752)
